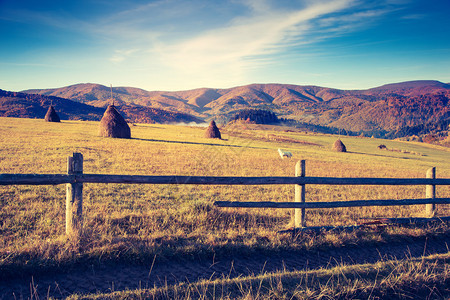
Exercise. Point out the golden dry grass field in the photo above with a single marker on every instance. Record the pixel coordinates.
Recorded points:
(127, 221)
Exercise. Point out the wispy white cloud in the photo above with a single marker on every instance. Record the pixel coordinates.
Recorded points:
(245, 40)
(121, 55)
(352, 18)
(414, 17)
(207, 42)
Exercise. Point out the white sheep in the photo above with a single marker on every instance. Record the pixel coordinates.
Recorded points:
(284, 154)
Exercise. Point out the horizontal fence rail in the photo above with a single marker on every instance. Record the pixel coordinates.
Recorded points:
(75, 178)
(55, 179)
(336, 204)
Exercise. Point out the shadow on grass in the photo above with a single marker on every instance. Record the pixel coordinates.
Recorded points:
(195, 143)
(380, 155)
(159, 262)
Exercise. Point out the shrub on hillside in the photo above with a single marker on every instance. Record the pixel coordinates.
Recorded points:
(256, 116)
(430, 139)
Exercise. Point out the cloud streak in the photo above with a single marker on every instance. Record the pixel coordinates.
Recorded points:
(253, 36)
(170, 44)
(234, 48)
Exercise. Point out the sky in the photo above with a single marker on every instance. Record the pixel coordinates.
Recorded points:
(171, 45)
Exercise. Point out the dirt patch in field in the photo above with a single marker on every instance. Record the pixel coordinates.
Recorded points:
(125, 276)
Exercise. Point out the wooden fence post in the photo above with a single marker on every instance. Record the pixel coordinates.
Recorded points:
(74, 197)
(431, 193)
(300, 213)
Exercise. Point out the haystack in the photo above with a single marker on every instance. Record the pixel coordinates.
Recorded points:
(114, 125)
(339, 146)
(51, 115)
(213, 132)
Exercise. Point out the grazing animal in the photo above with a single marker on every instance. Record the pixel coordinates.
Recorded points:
(284, 154)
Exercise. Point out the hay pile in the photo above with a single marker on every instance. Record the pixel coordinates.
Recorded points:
(114, 125)
(51, 115)
(213, 132)
(339, 146)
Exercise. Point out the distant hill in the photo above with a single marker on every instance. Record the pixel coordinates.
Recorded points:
(100, 96)
(384, 109)
(25, 105)
(411, 88)
(22, 105)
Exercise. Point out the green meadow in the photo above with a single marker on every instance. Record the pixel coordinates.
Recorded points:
(129, 221)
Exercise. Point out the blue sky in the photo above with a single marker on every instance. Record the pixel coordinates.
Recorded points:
(179, 45)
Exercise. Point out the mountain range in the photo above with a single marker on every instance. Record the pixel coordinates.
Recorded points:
(35, 105)
(386, 108)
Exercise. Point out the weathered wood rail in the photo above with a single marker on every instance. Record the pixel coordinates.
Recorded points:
(75, 178)
(336, 204)
(55, 179)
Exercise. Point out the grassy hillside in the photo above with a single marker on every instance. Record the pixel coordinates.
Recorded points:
(138, 221)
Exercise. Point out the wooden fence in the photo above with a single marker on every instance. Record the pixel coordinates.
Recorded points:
(75, 178)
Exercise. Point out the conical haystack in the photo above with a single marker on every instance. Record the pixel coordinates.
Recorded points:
(213, 132)
(113, 124)
(339, 146)
(51, 115)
